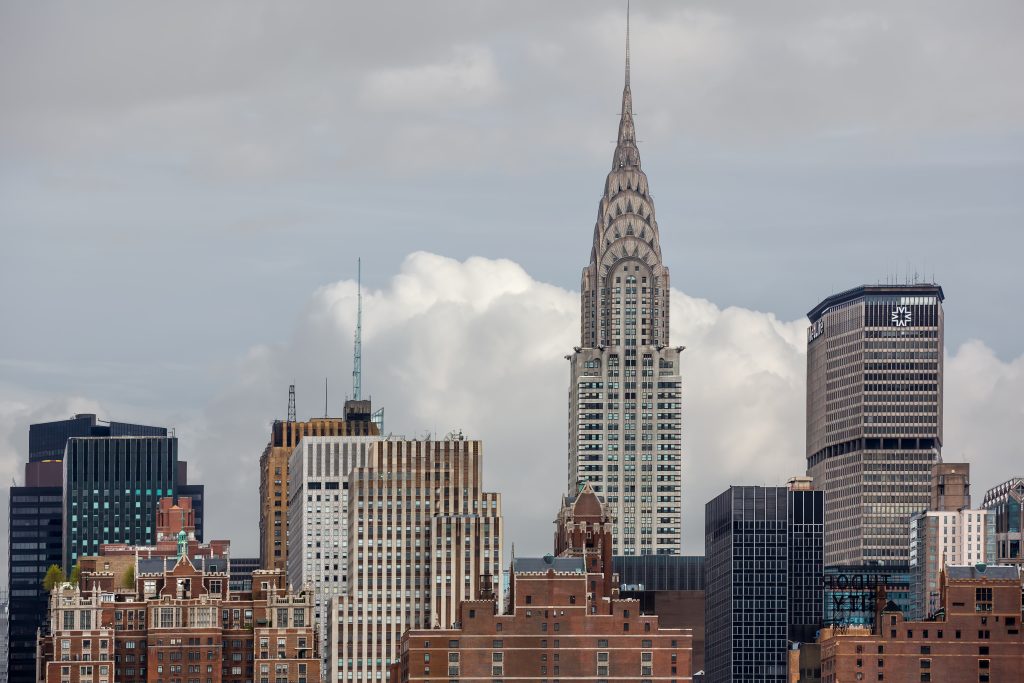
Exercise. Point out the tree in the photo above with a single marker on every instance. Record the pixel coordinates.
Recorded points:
(76, 572)
(54, 576)
(129, 577)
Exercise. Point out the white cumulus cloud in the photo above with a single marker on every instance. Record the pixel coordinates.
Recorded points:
(479, 345)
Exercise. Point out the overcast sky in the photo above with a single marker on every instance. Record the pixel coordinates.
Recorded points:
(185, 187)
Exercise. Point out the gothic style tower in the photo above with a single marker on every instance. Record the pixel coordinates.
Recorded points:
(624, 397)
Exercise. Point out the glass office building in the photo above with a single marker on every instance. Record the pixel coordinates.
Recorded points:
(763, 588)
(851, 590)
(111, 489)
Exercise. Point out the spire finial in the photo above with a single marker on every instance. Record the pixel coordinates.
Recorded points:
(627, 43)
(357, 350)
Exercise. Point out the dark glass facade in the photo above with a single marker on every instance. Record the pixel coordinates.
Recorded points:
(197, 492)
(112, 485)
(659, 572)
(46, 440)
(850, 592)
(34, 544)
(37, 526)
(764, 550)
(241, 572)
(806, 517)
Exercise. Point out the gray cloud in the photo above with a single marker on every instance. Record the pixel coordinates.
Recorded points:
(175, 180)
(477, 345)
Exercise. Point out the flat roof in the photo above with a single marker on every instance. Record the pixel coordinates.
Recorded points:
(869, 290)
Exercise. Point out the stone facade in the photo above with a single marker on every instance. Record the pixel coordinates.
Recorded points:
(625, 415)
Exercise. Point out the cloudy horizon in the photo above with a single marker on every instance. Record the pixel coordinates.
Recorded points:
(184, 191)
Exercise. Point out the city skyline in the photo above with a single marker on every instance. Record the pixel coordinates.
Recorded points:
(231, 379)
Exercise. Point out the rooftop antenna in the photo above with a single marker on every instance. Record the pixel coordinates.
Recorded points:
(325, 397)
(627, 43)
(291, 402)
(357, 350)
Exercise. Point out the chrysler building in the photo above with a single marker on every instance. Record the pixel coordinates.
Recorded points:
(625, 423)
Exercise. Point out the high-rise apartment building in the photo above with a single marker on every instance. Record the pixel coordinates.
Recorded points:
(941, 538)
(36, 522)
(423, 536)
(112, 486)
(318, 527)
(625, 417)
(874, 415)
(763, 587)
(284, 437)
(1006, 502)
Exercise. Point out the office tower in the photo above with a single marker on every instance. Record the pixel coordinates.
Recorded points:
(179, 621)
(1006, 501)
(111, 489)
(975, 637)
(34, 543)
(423, 536)
(625, 420)
(46, 440)
(241, 573)
(763, 587)
(941, 538)
(318, 527)
(4, 614)
(284, 437)
(36, 522)
(874, 415)
(951, 486)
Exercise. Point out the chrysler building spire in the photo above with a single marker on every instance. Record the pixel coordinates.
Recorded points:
(624, 372)
(626, 239)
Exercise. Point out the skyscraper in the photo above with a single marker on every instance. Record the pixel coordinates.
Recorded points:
(318, 547)
(625, 423)
(1006, 501)
(37, 524)
(284, 437)
(763, 549)
(423, 537)
(874, 415)
(111, 489)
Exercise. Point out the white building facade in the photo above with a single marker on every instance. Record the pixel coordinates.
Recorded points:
(940, 539)
(424, 536)
(318, 543)
(625, 390)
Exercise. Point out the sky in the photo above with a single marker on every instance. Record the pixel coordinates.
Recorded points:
(185, 188)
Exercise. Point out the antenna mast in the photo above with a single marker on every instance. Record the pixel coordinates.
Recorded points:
(291, 403)
(357, 350)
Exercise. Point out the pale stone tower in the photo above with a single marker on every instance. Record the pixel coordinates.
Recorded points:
(625, 423)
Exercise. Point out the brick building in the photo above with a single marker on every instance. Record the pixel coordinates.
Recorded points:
(564, 621)
(166, 613)
(179, 623)
(975, 638)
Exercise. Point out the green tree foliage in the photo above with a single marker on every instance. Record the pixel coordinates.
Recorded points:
(54, 576)
(76, 572)
(129, 577)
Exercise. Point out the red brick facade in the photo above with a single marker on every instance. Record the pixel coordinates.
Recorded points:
(179, 625)
(977, 639)
(564, 621)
